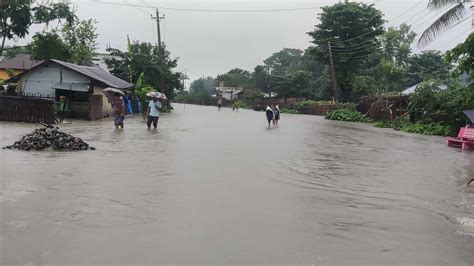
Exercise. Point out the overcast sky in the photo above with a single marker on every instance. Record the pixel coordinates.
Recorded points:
(209, 42)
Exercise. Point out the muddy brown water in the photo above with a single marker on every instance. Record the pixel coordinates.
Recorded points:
(219, 187)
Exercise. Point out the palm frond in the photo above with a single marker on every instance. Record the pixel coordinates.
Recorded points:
(443, 3)
(447, 20)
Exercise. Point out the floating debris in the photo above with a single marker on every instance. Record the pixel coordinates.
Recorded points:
(50, 137)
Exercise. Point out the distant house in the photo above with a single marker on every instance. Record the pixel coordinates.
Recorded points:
(81, 85)
(229, 93)
(16, 65)
(99, 60)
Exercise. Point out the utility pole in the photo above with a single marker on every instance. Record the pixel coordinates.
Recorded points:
(158, 18)
(333, 74)
(160, 51)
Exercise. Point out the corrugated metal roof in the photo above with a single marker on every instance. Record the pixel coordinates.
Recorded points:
(96, 73)
(20, 62)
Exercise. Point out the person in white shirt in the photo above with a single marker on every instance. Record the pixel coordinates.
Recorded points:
(153, 112)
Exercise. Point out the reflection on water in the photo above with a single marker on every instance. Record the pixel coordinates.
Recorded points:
(219, 187)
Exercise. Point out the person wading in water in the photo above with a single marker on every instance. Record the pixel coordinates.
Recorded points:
(153, 112)
(219, 103)
(118, 111)
(270, 115)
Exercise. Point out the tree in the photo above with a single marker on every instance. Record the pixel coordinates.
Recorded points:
(236, 78)
(285, 61)
(15, 19)
(353, 30)
(396, 44)
(395, 50)
(427, 65)
(51, 11)
(15, 50)
(260, 78)
(49, 46)
(145, 58)
(450, 18)
(200, 92)
(297, 83)
(463, 57)
(80, 37)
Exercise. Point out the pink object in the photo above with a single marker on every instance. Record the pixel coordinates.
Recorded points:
(465, 138)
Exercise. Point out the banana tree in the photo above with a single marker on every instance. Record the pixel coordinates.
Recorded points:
(458, 12)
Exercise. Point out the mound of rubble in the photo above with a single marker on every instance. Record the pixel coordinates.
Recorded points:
(51, 137)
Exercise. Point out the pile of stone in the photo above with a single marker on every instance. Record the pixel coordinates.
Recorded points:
(51, 137)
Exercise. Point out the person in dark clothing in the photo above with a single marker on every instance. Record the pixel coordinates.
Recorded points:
(270, 115)
(276, 111)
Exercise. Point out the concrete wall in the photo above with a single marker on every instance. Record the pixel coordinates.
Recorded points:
(40, 80)
(106, 105)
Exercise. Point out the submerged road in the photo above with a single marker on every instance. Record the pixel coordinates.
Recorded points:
(219, 187)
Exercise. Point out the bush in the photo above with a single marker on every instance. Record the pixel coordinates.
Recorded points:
(347, 115)
(243, 105)
(438, 129)
(382, 124)
(310, 103)
(289, 111)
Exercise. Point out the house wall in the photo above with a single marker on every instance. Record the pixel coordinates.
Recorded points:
(40, 80)
(106, 105)
(4, 73)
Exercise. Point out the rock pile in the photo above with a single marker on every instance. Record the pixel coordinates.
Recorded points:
(43, 138)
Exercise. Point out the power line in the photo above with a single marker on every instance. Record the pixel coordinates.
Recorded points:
(212, 10)
(141, 10)
(427, 20)
(353, 57)
(373, 31)
(451, 40)
(360, 46)
(354, 47)
(408, 10)
(452, 27)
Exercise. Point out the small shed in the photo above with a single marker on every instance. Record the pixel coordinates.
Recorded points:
(82, 86)
(384, 107)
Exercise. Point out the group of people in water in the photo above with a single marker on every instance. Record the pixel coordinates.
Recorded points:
(273, 115)
(272, 112)
(235, 104)
(152, 113)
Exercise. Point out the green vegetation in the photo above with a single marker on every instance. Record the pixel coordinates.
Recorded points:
(17, 16)
(289, 111)
(200, 92)
(143, 61)
(463, 56)
(439, 129)
(335, 27)
(347, 115)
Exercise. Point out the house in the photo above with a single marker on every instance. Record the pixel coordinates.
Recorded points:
(99, 60)
(412, 89)
(82, 86)
(229, 93)
(17, 64)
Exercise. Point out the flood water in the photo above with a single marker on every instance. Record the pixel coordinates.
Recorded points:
(219, 187)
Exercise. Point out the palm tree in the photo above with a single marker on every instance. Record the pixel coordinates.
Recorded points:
(454, 15)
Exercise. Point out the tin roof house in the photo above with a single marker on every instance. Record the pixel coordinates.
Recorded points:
(17, 64)
(82, 86)
(229, 93)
